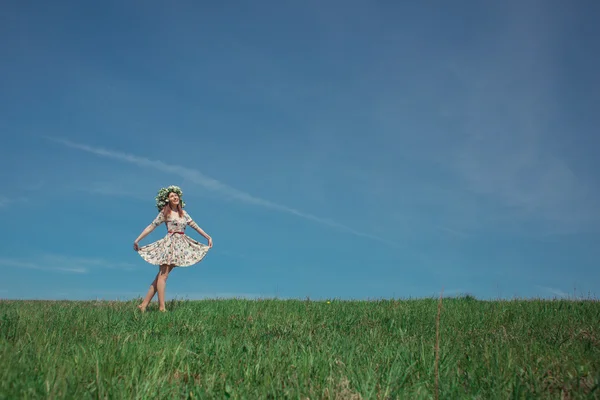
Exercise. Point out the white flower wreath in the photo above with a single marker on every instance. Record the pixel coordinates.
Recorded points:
(162, 198)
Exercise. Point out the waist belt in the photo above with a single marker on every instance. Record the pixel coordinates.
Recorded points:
(178, 232)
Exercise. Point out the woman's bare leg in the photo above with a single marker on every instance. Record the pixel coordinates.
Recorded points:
(161, 283)
(150, 294)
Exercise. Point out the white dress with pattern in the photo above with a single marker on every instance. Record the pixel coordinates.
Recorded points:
(176, 248)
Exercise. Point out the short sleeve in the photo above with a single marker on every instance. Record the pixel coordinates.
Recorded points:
(189, 220)
(160, 218)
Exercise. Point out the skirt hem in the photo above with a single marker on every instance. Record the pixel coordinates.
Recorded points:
(180, 251)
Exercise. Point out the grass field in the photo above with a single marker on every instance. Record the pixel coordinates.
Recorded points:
(298, 349)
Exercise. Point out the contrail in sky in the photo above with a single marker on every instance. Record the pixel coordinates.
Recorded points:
(213, 185)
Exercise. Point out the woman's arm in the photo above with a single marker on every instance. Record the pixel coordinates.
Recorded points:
(207, 236)
(144, 233)
(194, 225)
(160, 218)
(200, 231)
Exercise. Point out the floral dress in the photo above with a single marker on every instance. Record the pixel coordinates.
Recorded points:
(176, 248)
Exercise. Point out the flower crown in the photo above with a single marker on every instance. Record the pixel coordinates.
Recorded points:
(162, 198)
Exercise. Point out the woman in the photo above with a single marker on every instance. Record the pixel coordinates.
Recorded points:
(176, 248)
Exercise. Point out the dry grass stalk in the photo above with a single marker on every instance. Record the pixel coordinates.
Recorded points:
(437, 346)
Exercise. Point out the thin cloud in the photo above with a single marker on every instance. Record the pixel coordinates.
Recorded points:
(505, 149)
(85, 262)
(108, 189)
(214, 185)
(223, 295)
(5, 201)
(56, 262)
(554, 291)
(453, 232)
(129, 294)
(12, 263)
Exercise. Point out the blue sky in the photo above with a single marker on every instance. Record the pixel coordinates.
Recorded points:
(354, 150)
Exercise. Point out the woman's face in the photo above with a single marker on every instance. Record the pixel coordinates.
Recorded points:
(173, 198)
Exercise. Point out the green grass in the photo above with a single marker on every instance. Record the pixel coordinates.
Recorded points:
(300, 349)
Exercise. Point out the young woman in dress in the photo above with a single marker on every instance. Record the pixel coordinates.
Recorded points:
(175, 249)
